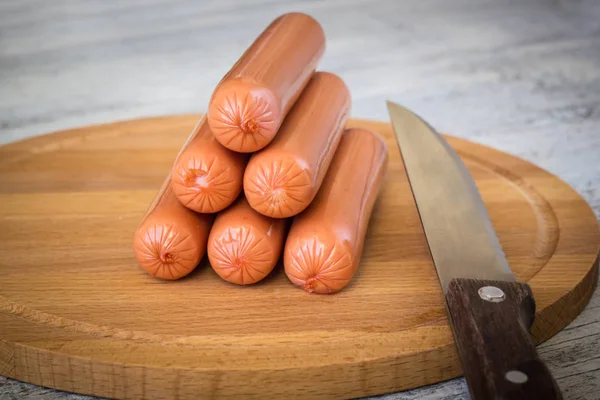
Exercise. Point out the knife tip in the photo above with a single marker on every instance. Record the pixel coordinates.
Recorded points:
(390, 105)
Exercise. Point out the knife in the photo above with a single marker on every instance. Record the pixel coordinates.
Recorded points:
(489, 311)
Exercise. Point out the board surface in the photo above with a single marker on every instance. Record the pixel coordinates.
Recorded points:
(78, 314)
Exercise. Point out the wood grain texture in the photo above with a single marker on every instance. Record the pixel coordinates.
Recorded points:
(521, 76)
(493, 341)
(76, 312)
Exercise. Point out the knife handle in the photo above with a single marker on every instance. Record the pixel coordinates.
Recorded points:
(490, 321)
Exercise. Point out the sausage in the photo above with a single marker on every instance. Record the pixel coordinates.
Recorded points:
(282, 179)
(171, 239)
(244, 246)
(206, 176)
(249, 104)
(325, 242)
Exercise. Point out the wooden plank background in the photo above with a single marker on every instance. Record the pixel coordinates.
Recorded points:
(521, 76)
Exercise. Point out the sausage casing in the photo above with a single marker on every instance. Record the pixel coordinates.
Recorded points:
(207, 177)
(282, 179)
(325, 242)
(251, 101)
(171, 239)
(244, 246)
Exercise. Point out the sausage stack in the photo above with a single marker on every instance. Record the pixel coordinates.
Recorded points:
(269, 171)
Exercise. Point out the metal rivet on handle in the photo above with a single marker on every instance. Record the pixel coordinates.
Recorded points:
(492, 294)
(517, 377)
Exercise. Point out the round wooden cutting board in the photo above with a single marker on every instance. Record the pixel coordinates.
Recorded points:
(78, 314)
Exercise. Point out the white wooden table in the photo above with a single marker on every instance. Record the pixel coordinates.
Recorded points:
(522, 76)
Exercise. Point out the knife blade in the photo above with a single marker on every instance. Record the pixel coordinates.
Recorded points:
(489, 311)
(459, 231)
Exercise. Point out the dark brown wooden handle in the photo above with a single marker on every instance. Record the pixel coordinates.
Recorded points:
(491, 330)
